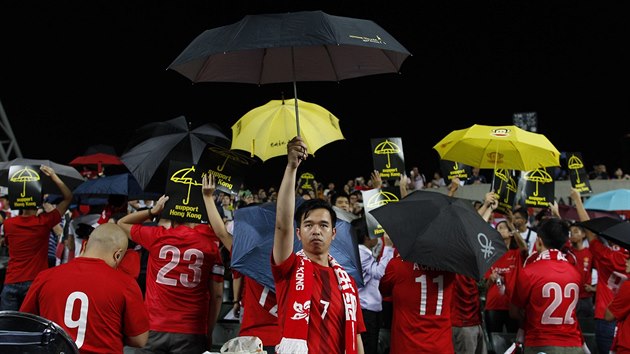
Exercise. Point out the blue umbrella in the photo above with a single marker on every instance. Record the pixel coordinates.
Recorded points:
(121, 184)
(613, 200)
(253, 242)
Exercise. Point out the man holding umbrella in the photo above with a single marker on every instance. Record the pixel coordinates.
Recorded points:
(318, 305)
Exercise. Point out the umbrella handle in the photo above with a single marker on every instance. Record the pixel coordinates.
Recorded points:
(297, 111)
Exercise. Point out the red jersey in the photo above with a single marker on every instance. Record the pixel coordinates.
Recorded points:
(260, 313)
(95, 304)
(611, 272)
(498, 295)
(179, 270)
(326, 326)
(548, 290)
(620, 308)
(466, 304)
(584, 265)
(421, 298)
(130, 263)
(27, 239)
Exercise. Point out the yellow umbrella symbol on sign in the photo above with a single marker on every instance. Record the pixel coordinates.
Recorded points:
(538, 176)
(181, 176)
(24, 176)
(229, 155)
(504, 176)
(386, 147)
(575, 163)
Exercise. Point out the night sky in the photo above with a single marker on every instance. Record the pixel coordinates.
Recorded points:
(78, 73)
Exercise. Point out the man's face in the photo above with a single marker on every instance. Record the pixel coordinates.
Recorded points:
(519, 220)
(343, 203)
(317, 231)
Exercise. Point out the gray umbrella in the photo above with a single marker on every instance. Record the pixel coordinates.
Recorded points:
(291, 47)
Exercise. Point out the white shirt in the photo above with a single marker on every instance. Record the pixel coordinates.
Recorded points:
(369, 295)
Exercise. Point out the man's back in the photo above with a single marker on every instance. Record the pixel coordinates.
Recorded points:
(421, 297)
(178, 275)
(548, 290)
(95, 303)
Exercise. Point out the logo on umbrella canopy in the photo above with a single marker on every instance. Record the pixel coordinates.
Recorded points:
(500, 132)
(24, 175)
(181, 177)
(387, 148)
(487, 249)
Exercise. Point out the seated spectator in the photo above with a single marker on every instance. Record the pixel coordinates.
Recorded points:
(476, 177)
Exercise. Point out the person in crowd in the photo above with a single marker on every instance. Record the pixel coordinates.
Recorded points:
(421, 299)
(476, 177)
(469, 336)
(618, 311)
(100, 307)
(27, 237)
(521, 222)
(341, 201)
(545, 295)
(184, 281)
(599, 172)
(417, 180)
(318, 305)
(373, 270)
(584, 264)
(437, 181)
(618, 174)
(259, 306)
(500, 280)
(56, 232)
(610, 261)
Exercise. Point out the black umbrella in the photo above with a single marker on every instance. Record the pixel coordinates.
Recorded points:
(162, 142)
(436, 230)
(68, 174)
(612, 229)
(120, 184)
(291, 47)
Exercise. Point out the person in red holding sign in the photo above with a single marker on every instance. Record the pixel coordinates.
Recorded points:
(27, 236)
(318, 302)
(183, 267)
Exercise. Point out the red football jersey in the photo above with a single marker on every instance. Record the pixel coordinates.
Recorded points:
(611, 272)
(466, 304)
(260, 313)
(179, 270)
(548, 290)
(327, 315)
(620, 308)
(421, 298)
(27, 238)
(96, 304)
(584, 265)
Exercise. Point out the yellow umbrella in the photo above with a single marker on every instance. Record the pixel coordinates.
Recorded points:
(495, 147)
(265, 131)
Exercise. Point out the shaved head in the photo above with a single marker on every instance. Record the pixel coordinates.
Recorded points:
(105, 242)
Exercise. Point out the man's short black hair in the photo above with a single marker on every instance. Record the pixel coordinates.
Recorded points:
(553, 233)
(309, 205)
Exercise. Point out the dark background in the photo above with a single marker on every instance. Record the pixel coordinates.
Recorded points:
(78, 73)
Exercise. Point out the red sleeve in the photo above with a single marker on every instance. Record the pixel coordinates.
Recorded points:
(130, 263)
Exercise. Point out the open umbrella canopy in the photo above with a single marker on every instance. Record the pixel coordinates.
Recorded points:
(120, 184)
(291, 47)
(612, 229)
(156, 144)
(436, 230)
(265, 131)
(569, 212)
(68, 174)
(613, 200)
(254, 228)
(498, 147)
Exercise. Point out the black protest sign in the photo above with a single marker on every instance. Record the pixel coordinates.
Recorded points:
(505, 186)
(452, 169)
(228, 167)
(577, 172)
(388, 157)
(538, 188)
(373, 199)
(25, 187)
(183, 187)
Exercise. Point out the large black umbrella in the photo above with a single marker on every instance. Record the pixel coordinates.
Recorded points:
(291, 47)
(612, 229)
(436, 230)
(120, 184)
(156, 144)
(68, 174)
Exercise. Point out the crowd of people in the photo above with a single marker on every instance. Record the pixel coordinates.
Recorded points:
(131, 281)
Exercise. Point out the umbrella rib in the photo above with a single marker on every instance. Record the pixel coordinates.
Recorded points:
(332, 62)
